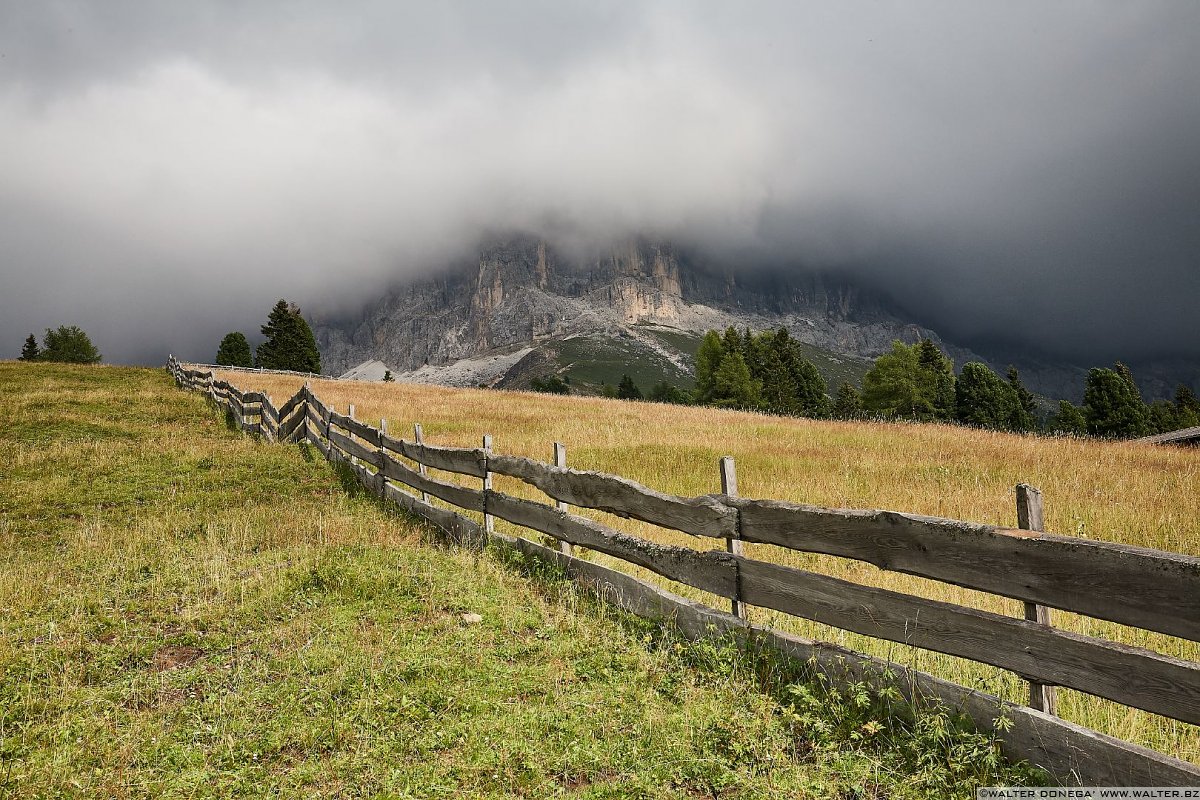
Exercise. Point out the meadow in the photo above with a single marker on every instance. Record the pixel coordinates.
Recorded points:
(1116, 491)
(187, 611)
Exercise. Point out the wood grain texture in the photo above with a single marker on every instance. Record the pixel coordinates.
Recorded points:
(351, 447)
(288, 426)
(711, 571)
(1128, 675)
(458, 528)
(461, 496)
(287, 408)
(360, 429)
(464, 461)
(1134, 586)
(699, 516)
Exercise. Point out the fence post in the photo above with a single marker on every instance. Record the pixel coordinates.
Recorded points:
(267, 425)
(560, 460)
(350, 433)
(303, 427)
(420, 438)
(488, 522)
(380, 478)
(1030, 517)
(733, 544)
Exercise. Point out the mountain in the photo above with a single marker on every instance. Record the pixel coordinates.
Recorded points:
(526, 309)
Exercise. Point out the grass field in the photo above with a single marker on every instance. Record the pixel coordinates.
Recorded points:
(188, 612)
(1123, 492)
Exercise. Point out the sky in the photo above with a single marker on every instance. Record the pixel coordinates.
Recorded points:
(1024, 173)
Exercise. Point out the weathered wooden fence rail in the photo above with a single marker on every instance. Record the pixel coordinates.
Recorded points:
(1140, 587)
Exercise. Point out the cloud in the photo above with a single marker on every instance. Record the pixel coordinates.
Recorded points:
(1013, 172)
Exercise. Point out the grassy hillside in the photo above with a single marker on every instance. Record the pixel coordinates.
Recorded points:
(185, 611)
(1125, 492)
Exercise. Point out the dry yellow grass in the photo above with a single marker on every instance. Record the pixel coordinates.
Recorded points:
(1122, 492)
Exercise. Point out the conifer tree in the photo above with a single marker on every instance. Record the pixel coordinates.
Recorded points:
(290, 344)
(708, 360)
(388, 377)
(1187, 407)
(1112, 404)
(893, 387)
(68, 343)
(1069, 419)
(628, 390)
(1024, 416)
(982, 399)
(733, 387)
(30, 351)
(234, 351)
(848, 404)
(937, 379)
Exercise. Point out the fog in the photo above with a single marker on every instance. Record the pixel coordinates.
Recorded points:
(1018, 173)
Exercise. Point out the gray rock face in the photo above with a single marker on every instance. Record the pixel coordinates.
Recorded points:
(523, 291)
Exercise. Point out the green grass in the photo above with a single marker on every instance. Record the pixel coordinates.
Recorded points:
(188, 612)
(594, 361)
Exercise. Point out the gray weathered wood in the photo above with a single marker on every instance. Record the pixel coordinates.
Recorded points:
(1030, 517)
(1135, 586)
(464, 461)
(318, 408)
(287, 408)
(700, 516)
(354, 426)
(489, 523)
(289, 425)
(457, 527)
(314, 416)
(711, 571)
(560, 461)
(1128, 675)
(733, 544)
(352, 448)
(419, 436)
(461, 496)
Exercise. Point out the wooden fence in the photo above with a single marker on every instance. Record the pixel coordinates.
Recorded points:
(1149, 589)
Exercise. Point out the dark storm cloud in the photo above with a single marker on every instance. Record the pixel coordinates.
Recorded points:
(1021, 172)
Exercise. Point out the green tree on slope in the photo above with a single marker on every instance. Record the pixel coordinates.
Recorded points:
(1112, 404)
(234, 351)
(68, 343)
(290, 343)
(30, 351)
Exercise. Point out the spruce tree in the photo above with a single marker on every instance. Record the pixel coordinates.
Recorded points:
(1069, 419)
(1187, 407)
(1113, 406)
(1025, 412)
(982, 399)
(848, 404)
(937, 379)
(708, 360)
(290, 344)
(628, 390)
(68, 343)
(30, 351)
(894, 386)
(234, 351)
(733, 387)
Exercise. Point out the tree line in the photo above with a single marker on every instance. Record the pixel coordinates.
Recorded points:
(289, 344)
(65, 344)
(768, 372)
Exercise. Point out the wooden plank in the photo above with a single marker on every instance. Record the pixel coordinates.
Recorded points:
(268, 411)
(1076, 755)
(320, 409)
(324, 449)
(289, 425)
(460, 529)
(360, 429)
(489, 524)
(461, 496)
(352, 448)
(253, 397)
(711, 571)
(560, 460)
(464, 461)
(1030, 517)
(1128, 675)
(699, 516)
(1134, 586)
(287, 408)
(314, 417)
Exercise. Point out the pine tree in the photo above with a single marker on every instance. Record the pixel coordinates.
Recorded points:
(1025, 412)
(848, 404)
(982, 399)
(1069, 420)
(628, 390)
(893, 387)
(1112, 404)
(234, 351)
(290, 344)
(708, 360)
(30, 351)
(733, 386)
(663, 392)
(1187, 407)
(69, 344)
(388, 377)
(937, 379)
